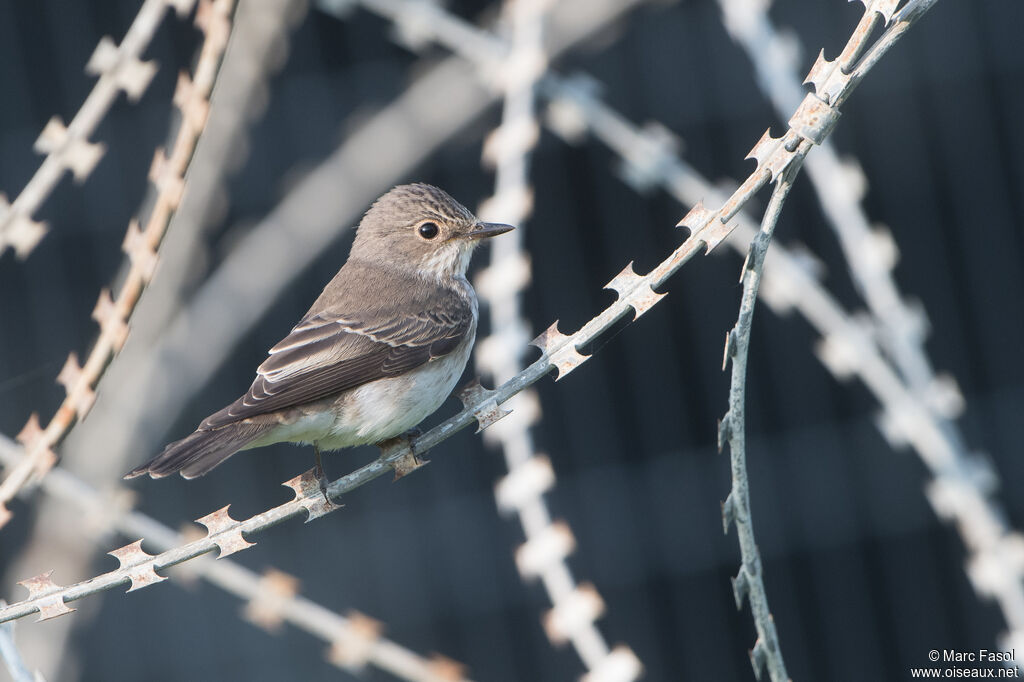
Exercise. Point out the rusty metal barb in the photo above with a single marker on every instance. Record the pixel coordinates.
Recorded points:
(113, 313)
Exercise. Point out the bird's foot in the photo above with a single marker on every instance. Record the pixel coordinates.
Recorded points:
(401, 441)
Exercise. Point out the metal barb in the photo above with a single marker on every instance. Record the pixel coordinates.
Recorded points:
(758, 658)
(142, 256)
(634, 290)
(74, 153)
(551, 545)
(525, 483)
(406, 463)
(138, 565)
(482, 401)
(164, 177)
(47, 595)
(17, 230)
(34, 439)
(307, 493)
(224, 531)
(128, 72)
(728, 513)
(724, 430)
(560, 350)
(580, 609)
(740, 587)
(444, 669)
(353, 645)
(112, 324)
(265, 606)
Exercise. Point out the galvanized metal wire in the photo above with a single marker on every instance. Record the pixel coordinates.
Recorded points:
(964, 484)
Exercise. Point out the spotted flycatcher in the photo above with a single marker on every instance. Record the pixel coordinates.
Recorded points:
(379, 351)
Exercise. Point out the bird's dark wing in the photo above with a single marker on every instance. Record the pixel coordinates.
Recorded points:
(331, 352)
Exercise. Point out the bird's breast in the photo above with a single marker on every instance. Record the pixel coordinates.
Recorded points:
(389, 407)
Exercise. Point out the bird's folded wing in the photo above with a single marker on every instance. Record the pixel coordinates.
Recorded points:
(327, 353)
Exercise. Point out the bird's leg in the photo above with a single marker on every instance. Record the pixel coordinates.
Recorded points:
(321, 477)
(411, 435)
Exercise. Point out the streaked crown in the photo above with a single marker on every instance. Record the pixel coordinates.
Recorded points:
(419, 227)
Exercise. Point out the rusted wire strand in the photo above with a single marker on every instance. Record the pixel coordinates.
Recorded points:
(166, 173)
(119, 69)
(271, 598)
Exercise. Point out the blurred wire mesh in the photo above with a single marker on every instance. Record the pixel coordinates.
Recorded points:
(864, 579)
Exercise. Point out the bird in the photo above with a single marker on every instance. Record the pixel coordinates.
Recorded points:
(379, 350)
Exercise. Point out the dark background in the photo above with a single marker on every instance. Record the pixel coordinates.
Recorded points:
(862, 578)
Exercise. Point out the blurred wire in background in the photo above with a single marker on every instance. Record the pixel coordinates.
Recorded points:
(313, 117)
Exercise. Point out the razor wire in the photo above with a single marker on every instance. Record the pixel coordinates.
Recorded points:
(166, 174)
(643, 159)
(636, 294)
(963, 483)
(847, 349)
(749, 581)
(67, 148)
(259, 37)
(272, 598)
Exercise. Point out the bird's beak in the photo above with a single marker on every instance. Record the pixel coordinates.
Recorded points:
(486, 230)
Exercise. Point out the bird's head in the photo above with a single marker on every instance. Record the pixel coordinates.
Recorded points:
(422, 228)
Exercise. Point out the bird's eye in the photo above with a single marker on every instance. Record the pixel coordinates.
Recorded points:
(429, 230)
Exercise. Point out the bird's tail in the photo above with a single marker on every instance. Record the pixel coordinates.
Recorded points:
(200, 452)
